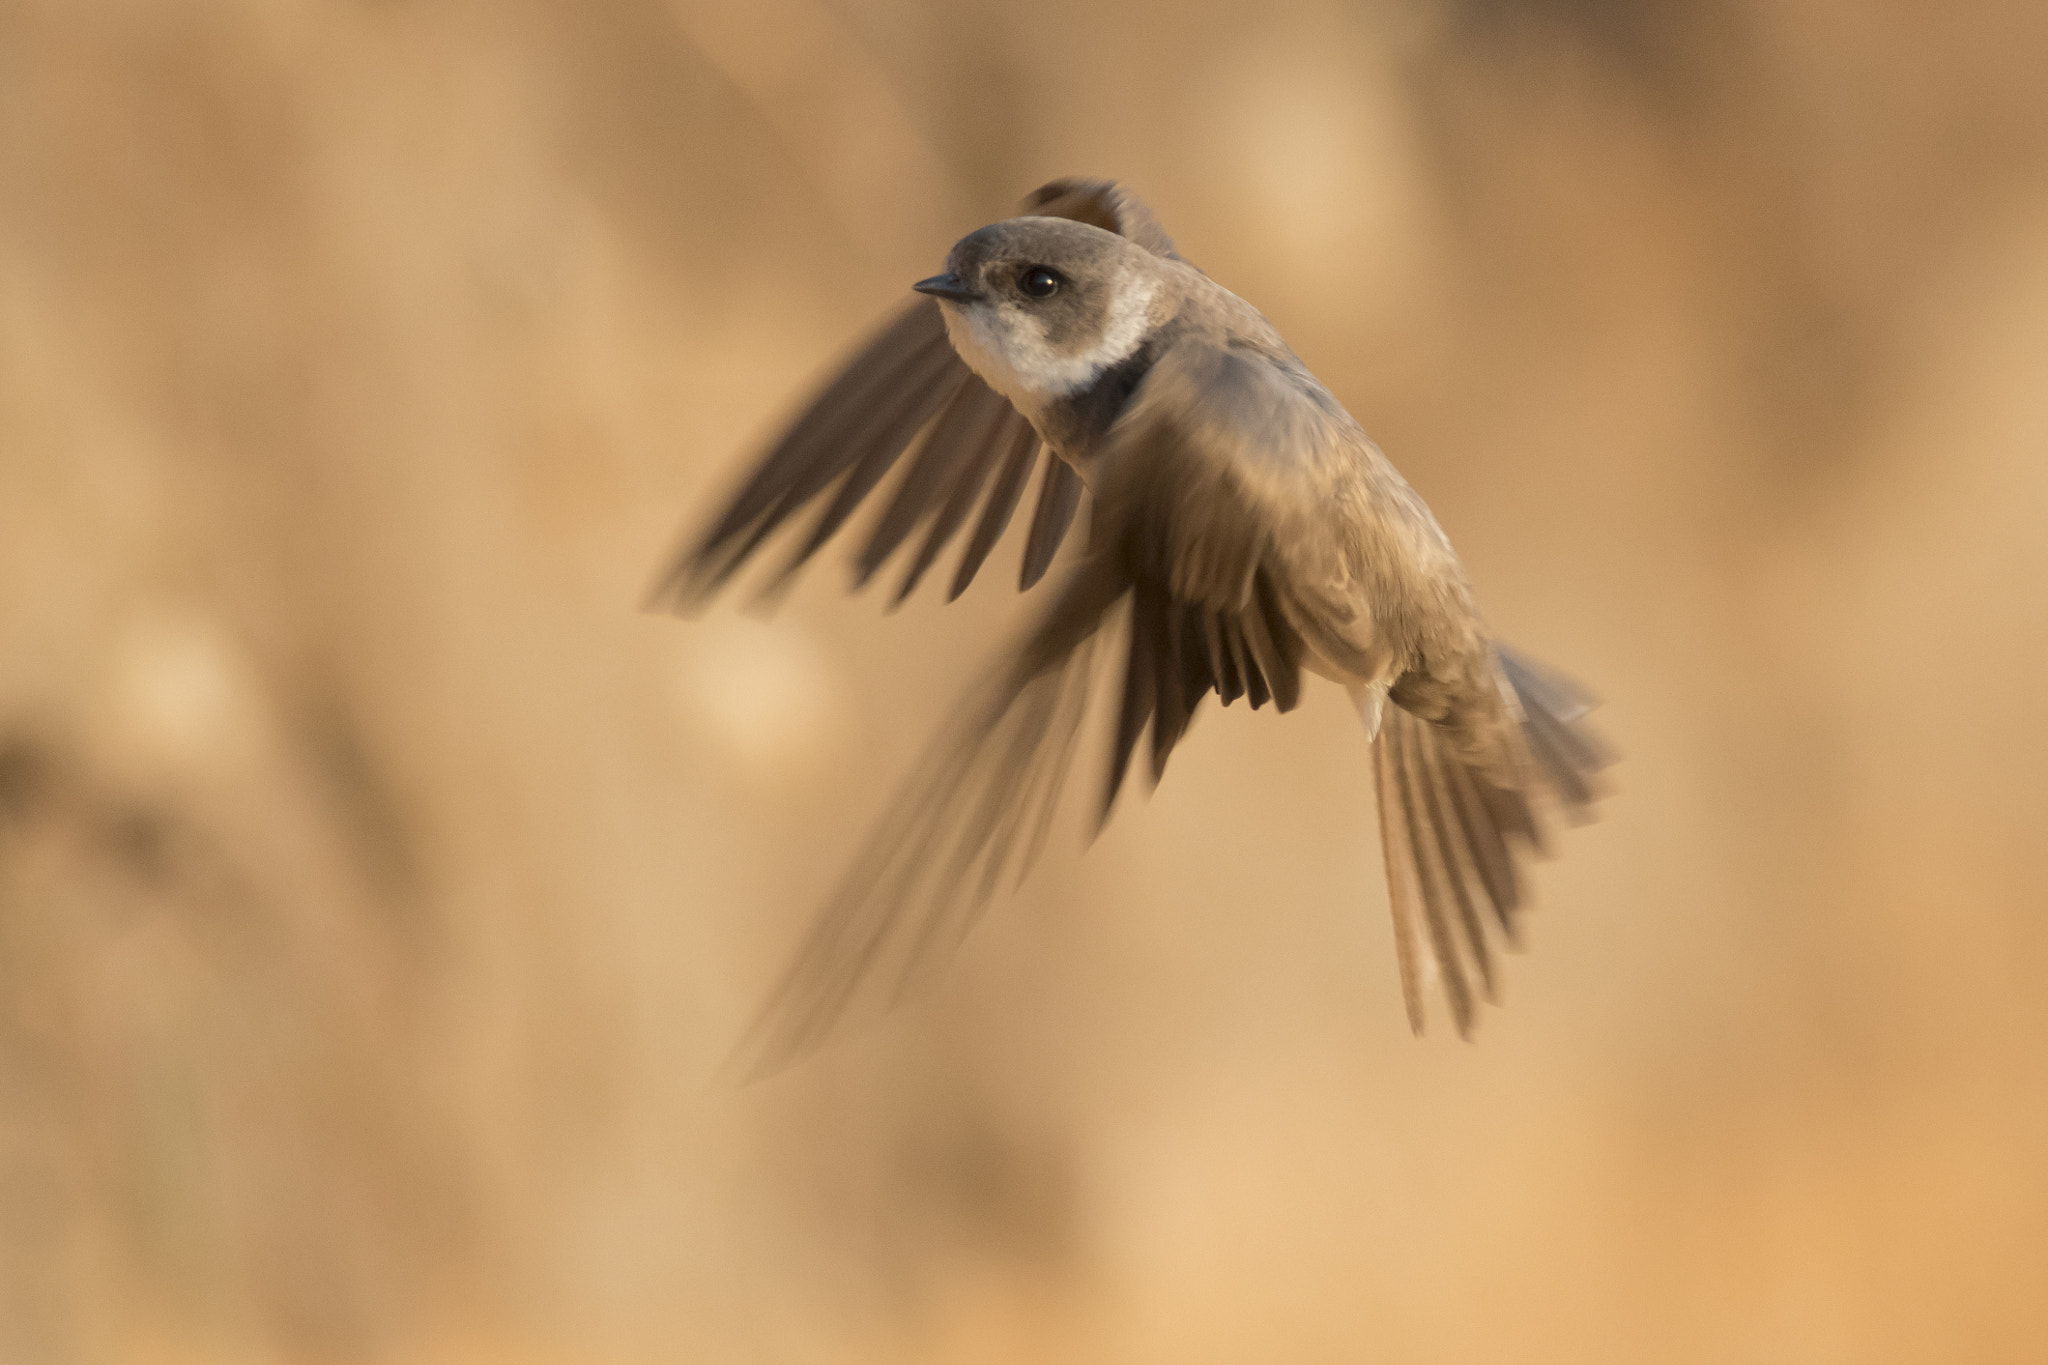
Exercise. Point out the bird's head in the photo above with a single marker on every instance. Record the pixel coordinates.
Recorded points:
(1040, 307)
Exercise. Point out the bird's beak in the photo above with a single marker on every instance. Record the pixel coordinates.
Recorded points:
(948, 287)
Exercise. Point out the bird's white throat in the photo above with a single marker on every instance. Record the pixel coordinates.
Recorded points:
(1007, 346)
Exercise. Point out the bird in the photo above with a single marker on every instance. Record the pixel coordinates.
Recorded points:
(1242, 531)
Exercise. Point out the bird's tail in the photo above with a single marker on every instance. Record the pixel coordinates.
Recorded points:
(1452, 838)
(1566, 750)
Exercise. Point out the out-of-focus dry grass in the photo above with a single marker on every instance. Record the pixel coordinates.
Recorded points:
(379, 890)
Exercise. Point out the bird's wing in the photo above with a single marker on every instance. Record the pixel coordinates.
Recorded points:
(1227, 542)
(1104, 204)
(975, 461)
(1186, 557)
(1232, 461)
(1253, 482)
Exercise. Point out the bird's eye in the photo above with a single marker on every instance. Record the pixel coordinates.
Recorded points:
(1038, 282)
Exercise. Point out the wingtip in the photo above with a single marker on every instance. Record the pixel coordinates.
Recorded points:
(750, 1061)
(911, 578)
(1101, 820)
(768, 599)
(676, 593)
(862, 573)
(734, 1075)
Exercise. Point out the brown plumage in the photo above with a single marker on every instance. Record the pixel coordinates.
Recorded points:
(1243, 528)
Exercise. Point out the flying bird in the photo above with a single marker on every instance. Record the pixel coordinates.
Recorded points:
(1242, 530)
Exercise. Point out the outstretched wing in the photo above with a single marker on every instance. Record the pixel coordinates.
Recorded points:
(975, 462)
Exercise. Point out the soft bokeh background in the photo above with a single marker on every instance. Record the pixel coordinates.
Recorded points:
(380, 889)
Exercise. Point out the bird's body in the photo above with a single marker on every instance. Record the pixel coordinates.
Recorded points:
(1255, 531)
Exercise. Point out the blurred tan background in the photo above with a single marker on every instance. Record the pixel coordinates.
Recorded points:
(380, 889)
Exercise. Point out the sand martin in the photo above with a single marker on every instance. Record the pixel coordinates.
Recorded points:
(1243, 529)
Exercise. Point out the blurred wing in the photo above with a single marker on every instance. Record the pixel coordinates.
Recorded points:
(978, 802)
(977, 806)
(906, 379)
(975, 461)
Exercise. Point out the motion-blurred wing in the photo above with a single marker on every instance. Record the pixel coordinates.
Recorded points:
(975, 461)
(977, 806)
(979, 802)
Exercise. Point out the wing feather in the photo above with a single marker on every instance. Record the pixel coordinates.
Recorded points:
(1104, 204)
(1173, 684)
(1139, 698)
(1012, 429)
(1059, 497)
(1011, 477)
(814, 449)
(1223, 656)
(870, 412)
(968, 427)
(879, 450)
(900, 910)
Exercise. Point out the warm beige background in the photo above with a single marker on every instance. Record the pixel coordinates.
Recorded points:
(379, 889)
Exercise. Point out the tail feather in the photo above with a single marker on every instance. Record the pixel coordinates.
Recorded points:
(1554, 711)
(1449, 833)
